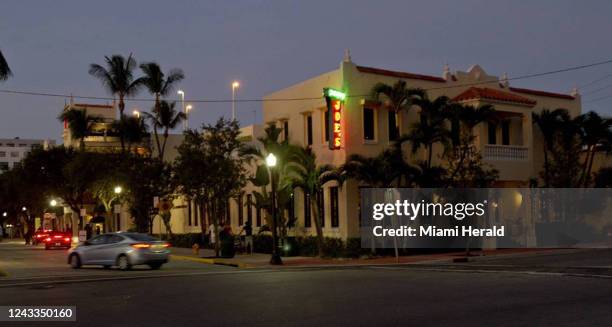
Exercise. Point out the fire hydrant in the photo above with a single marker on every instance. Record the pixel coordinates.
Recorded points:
(196, 249)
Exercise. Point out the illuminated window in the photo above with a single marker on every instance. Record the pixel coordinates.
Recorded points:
(368, 124)
(393, 126)
(240, 213)
(321, 205)
(286, 130)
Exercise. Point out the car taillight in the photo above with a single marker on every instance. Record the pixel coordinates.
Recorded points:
(48, 239)
(166, 245)
(57, 236)
(141, 246)
(67, 239)
(39, 236)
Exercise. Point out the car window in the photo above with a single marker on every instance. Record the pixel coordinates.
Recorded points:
(141, 237)
(97, 240)
(114, 239)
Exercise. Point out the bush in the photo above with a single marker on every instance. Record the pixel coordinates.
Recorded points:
(187, 240)
(262, 243)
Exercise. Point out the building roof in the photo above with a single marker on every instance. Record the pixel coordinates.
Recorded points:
(378, 71)
(491, 94)
(93, 105)
(541, 93)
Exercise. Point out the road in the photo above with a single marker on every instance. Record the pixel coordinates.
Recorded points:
(186, 293)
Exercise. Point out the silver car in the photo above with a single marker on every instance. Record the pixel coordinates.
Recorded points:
(123, 250)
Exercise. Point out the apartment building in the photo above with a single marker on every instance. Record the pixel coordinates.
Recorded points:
(12, 151)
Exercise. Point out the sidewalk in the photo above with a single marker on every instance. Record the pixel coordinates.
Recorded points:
(261, 260)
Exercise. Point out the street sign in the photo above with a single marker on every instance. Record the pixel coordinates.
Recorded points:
(82, 236)
(335, 104)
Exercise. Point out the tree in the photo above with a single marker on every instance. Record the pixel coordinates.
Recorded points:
(133, 129)
(565, 165)
(5, 70)
(164, 117)
(548, 122)
(118, 78)
(306, 175)
(158, 83)
(596, 135)
(372, 171)
(80, 124)
(211, 168)
(431, 127)
(398, 96)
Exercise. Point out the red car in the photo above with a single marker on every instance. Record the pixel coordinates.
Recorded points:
(58, 240)
(41, 235)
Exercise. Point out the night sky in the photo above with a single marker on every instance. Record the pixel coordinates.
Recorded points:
(268, 45)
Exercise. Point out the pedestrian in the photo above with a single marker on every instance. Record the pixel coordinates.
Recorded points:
(212, 237)
(97, 230)
(247, 229)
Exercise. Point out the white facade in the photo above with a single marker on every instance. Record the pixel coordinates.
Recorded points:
(12, 151)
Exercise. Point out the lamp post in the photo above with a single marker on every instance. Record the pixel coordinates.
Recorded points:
(235, 86)
(187, 110)
(275, 259)
(136, 114)
(118, 190)
(181, 93)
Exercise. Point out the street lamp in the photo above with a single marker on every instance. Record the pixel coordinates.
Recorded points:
(53, 203)
(4, 214)
(275, 259)
(24, 209)
(187, 110)
(136, 113)
(118, 190)
(235, 85)
(181, 93)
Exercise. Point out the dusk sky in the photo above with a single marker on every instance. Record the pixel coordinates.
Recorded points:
(268, 45)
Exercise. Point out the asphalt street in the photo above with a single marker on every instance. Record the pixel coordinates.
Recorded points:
(201, 294)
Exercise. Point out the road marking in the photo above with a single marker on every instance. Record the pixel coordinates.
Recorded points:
(212, 261)
(125, 277)
(522, 272)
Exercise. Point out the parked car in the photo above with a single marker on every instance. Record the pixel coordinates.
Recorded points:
(123, 250)
(56, 239)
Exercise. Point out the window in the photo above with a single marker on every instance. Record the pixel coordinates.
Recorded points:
(10, 145)
(4, 166)
(2, 153)
(240, 213)
(333, 201)
(505, 132)
(492, 133)
(199, 211)
(393, 126)
(228, 216)
(250, 208)
(321, 205)
(368, 124)
(307, 220)
(286, 130)
(14, 154)
(258, 215)
(326, 125)
(309, 129)
(22, 145)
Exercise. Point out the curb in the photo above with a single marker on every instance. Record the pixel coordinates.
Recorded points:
(221, 262)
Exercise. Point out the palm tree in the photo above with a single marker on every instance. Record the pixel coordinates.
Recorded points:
(5, 70)
(135, 129)
(596, 134)
(80, 124)
(375, 171)
(166, 118)
(306, 175)
(549, 123)
(398, 96)
(118, 78)
(431, 127)
(157, 82)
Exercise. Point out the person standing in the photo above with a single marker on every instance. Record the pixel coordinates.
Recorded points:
(212, 237)
(248, 236)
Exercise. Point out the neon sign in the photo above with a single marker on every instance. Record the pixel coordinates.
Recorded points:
(335, 104)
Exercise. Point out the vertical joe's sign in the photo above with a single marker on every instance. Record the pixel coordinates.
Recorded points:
(335, 105)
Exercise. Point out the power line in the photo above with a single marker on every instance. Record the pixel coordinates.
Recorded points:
(598, 99)
(59, 95)
(582, 87)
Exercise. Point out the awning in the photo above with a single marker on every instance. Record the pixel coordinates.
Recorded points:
(97, 220)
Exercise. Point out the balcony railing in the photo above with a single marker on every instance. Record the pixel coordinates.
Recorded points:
(505, 152)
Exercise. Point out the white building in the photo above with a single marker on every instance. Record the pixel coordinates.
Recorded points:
(12, 151)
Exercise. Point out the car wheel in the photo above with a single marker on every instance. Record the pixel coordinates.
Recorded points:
(106, 266)
(75, 261)
(155, 266)
(123, 262)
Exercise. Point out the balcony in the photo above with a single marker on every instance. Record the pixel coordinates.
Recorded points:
(505, 152)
